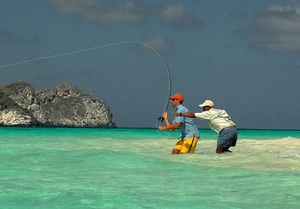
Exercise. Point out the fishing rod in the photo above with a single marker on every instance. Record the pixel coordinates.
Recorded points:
(160, 119)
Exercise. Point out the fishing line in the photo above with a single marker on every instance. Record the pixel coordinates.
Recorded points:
(160, 119)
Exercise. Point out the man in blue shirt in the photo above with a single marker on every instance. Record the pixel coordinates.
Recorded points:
(187, 142)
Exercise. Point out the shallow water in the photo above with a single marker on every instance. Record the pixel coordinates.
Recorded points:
(133, 168)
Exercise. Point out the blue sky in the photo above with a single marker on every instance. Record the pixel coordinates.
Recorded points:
(243, 55)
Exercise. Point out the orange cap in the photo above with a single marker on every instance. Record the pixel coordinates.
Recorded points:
(177, 96)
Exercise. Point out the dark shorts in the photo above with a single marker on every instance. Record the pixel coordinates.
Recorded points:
(227, 137)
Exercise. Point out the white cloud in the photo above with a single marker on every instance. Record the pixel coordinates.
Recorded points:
(158, 43)
(122, 12)
(176, 16)
(126, 12)
(173, 13)
(276, 28)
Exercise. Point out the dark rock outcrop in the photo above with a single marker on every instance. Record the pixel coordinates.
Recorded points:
(64, 106)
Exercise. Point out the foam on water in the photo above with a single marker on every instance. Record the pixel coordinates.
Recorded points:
(265, 155)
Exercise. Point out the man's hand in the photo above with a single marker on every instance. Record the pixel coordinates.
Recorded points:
(161, 128)
(176, 114)
(165, 115)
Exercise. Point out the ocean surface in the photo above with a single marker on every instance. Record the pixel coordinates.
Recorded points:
(69, 168)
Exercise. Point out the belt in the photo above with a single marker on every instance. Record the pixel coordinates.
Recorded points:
(226, 128)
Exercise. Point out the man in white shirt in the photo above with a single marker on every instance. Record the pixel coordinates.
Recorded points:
(220, 122)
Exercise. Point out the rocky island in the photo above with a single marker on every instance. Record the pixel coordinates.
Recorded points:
(63, 106)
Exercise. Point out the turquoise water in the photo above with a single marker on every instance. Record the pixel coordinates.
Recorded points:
(133, 168)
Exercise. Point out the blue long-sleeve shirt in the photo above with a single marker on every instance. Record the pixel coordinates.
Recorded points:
(188, 126)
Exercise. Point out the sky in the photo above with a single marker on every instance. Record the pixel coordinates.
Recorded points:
(243, 55)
